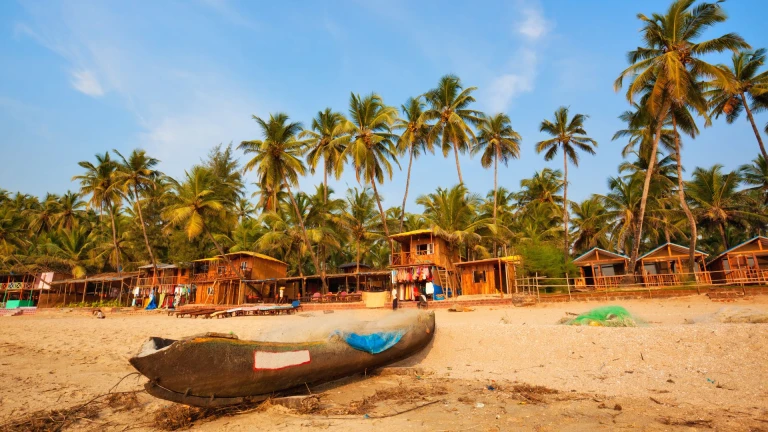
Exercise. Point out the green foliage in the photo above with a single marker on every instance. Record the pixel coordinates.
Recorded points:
(545, 259)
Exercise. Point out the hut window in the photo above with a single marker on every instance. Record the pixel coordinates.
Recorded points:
(221, 270)
(650, 268)
(243, 265)
(479, 276)
(607, 270)
(425, 249)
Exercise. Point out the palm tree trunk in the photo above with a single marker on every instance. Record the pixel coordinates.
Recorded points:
(683, 202)
(646, 187)
(383, 216)
(223, 255)
(304, 234)
(754, 126)
(721, 226)
(325, 181)
(495, 191)
(458, 165)
(407, 183)
(114, 242)
(565, 205)
(144, 230)
(357, 262)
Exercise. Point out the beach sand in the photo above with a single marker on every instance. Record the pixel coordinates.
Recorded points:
(668, 374)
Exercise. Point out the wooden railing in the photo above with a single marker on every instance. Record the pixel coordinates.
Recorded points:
(417, 258)
(165, 280)
(15, 286)
(225, 273)
(609, 281)
(661, 279)
(746, 276)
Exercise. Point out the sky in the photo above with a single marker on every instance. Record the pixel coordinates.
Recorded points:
(176, 78)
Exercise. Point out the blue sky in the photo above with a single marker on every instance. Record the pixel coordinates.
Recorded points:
(178, 77)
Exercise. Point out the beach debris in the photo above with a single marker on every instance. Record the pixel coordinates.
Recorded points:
(606, 316)
(457, 308)
(479, 405)
(68, 418)
(522, 300)
(669, 421)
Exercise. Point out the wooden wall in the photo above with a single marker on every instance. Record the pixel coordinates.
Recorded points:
(470, 287)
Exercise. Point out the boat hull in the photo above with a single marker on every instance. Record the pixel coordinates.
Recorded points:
(215, 369)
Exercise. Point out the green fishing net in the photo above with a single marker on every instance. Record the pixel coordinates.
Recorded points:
(606, 316)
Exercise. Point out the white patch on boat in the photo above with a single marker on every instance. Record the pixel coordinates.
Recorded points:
(278, 360)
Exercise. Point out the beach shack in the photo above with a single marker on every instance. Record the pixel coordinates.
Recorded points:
(91, 288)
(169, 280)
(351, 267)
(488, 276)
(746, 263)
(217, 281)
(424, 258)
(27, 289)
(667, 265)
(600, 268)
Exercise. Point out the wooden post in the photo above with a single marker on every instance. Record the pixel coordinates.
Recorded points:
(85, 288)
(568, 284)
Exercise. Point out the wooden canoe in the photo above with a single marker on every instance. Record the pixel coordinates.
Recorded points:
(217, 369)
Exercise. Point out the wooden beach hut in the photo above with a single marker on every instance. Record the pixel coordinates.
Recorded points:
(667, 265)
(600, 268)
(217, 282)
(169, 280)
(745, 263)
(91, 288)
(27, 289)
(488, 276)
(424, 257)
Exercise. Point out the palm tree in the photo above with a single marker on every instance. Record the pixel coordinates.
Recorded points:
(718, 201)
(326, 140)
(756, 175)
(568, 136)
(590, 224)
(451, 215)
(448, 108)
(73, 248)
(414, 140)
(195, 205)
(497, 141)
(100, 182)
(737, 81)
(667, 68)
(622, 204)
(278, 163)
(371, 143)
(41, 218)
(545, 186)
(68, 211)
(135, 176)
(360, 220)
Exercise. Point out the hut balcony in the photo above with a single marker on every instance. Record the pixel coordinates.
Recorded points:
(416, 258)
(161, 280)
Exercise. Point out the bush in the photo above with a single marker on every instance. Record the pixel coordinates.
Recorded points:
(545, 259)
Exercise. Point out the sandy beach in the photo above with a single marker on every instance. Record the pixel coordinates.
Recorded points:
(679, 370)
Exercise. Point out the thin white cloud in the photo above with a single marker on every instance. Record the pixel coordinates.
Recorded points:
(519, 75)
(534, 26)
(506, 87)
(85, 82)
(183, 107)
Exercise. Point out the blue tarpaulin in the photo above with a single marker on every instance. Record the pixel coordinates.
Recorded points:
(373, 343)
